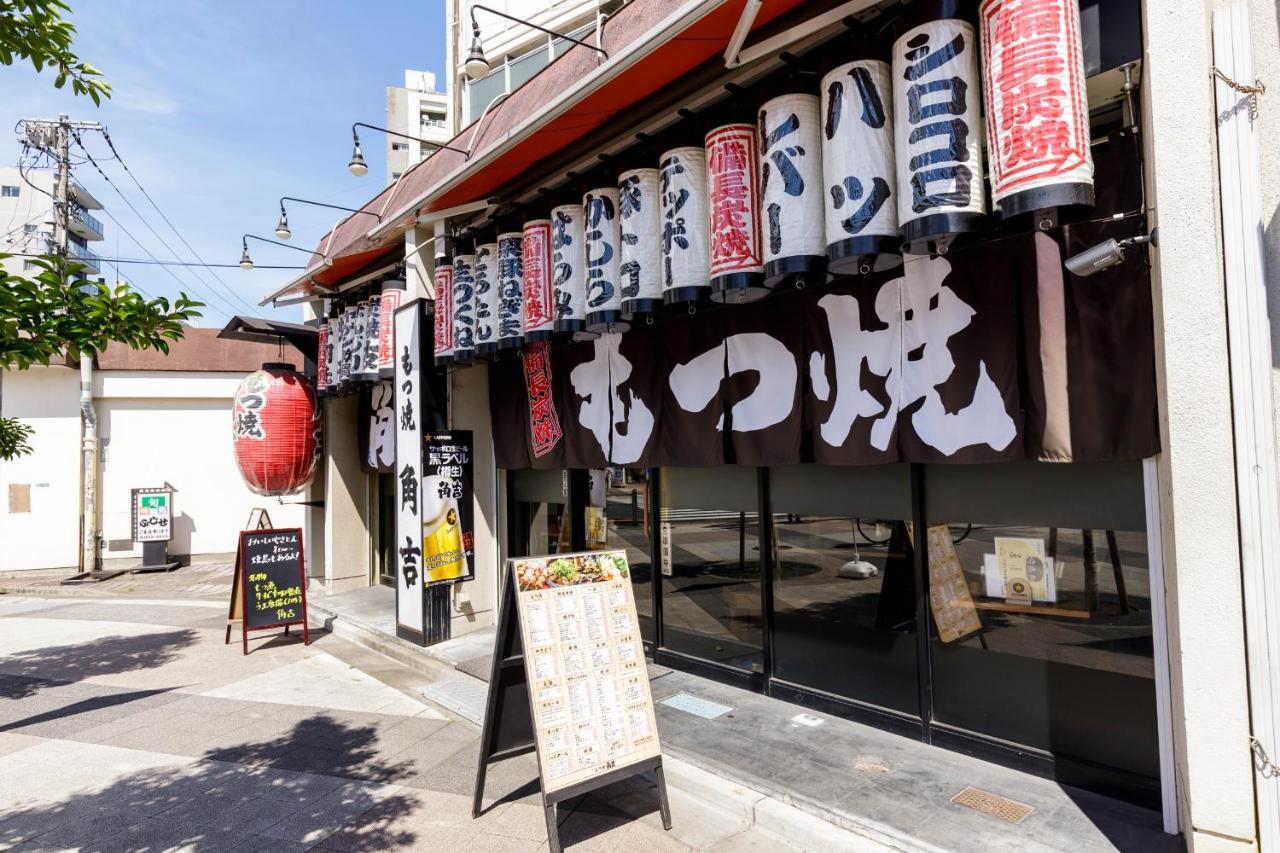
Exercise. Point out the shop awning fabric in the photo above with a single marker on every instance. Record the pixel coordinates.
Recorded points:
(651, 44)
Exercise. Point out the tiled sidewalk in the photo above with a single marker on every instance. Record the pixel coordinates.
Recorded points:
(127, 725)
(202, 580)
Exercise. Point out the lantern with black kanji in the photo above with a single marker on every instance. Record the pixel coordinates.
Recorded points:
(858, 168)
(640, 225)
(791, 189)
(733, 206)
(1037, 106)
(443, 310)
(485, 273)
(937, 125)
(464, 306)
(603, 237)
(368, 343)
(568, 268)
(686, 255)
(535, 267)
(510, 307)
(275, 430)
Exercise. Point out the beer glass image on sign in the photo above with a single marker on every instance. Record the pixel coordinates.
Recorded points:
(442, 552)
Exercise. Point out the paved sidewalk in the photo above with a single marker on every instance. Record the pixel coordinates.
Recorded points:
(128, 725)
(206, 579)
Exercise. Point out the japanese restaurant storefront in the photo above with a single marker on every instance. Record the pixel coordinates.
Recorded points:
(870, 445)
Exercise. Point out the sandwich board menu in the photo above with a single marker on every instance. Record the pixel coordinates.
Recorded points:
(269, 587)
(570, 679)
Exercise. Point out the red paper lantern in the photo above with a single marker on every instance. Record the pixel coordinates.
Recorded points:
(275, 426)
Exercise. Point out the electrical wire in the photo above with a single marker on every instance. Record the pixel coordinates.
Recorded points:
(156, 262)
(156, 234)
(116, 154)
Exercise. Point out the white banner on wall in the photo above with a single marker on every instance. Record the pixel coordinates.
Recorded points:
(409, 331)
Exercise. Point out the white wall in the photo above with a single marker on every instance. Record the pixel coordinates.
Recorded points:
(46, 399)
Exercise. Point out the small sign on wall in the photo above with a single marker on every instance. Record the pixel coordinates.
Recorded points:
(152, 514)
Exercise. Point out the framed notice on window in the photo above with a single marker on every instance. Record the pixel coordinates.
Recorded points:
(584, 663)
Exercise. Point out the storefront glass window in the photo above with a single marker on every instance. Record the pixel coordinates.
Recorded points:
(541, 522)
(844, 592)
(623, 522)
(1053, 611)
(711, 589)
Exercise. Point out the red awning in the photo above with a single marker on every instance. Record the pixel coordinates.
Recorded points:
(651, 44)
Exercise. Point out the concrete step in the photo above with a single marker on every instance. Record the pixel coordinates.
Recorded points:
(375, 638)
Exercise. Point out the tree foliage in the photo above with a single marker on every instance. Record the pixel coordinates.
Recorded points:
(37, 30)
(54, 315)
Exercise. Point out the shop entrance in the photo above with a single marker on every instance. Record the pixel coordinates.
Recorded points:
(890, 595)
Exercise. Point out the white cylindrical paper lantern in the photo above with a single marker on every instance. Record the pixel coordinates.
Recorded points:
(443, 280)
(858, 169)
(686, 254)
(569, 268)
(937, 126)
(791, 187)
(510, 305)
(322, 357)
(1036, 105)
(602, 238)
(486, 287)
(342, 351)
(391, 296)
(464, 309)
(360, 367)
(733, 209)
(369, 364)
(640, 219)
(539, 299)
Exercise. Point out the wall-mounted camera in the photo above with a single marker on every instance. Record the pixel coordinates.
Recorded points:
(1105, 255)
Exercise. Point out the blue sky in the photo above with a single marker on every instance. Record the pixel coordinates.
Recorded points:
(220, 107)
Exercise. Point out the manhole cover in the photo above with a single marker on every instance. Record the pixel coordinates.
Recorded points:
(464, 696)
(1010, 811)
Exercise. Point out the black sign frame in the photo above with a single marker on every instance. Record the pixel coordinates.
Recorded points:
(240, 589)
(466, 502)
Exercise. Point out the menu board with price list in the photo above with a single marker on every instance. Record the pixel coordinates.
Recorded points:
(269, 589)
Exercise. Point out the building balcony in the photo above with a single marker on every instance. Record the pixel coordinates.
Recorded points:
(84, 225)
(84, 255)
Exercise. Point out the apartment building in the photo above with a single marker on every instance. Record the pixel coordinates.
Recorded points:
(416, 109)
(27, 220)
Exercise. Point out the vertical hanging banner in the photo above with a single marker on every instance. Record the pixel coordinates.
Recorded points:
(603, 235)
(410, 342)
(378, 428)
(448, 527)
(464, 309)
(544, 424)
(539, 310)
(568, 267)
(1037, 106)
(733, 205)
(443, 280)
(938, 127)
(640, 220)
(791, 187)
(390, 297)
(486, 288)
(861, 213)
(686, 252)
(510, 290)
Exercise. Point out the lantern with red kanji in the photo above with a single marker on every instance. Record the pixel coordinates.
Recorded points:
(275, 428)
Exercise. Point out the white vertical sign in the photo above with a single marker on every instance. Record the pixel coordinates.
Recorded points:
(409, 377)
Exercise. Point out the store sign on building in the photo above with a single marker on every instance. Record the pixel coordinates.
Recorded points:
(411, 331)
(152, 515)
(448, 530)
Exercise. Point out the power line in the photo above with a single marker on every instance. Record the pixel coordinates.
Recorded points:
(156, 262)
(107, 137)
(156, 234)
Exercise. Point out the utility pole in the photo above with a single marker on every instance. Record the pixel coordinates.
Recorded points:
(55, 137)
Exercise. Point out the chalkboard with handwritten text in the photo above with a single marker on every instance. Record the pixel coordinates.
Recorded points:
(270, 587)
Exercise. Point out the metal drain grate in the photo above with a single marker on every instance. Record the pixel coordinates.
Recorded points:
(1010, 811)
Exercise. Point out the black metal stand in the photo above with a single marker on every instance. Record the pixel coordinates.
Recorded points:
(508, 726)
(155, 558)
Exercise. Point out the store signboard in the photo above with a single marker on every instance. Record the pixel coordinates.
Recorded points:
(448, 528)
(411, 333)
(152, 514)
(584, 662)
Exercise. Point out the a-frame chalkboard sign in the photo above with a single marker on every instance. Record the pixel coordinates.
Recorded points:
(516, 722)
(269, 587)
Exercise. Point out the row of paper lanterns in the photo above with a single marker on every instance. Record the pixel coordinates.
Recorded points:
(887, 158)
(355, 340)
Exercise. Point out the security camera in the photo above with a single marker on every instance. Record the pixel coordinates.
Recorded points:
(1105, 255)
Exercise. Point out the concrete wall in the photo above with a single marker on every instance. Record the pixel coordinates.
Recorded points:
(46, 399)
(349, 520)
(1197, 499)
(469, 395)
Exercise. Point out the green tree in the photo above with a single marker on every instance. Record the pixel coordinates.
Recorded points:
(37, 30)
(54, 315)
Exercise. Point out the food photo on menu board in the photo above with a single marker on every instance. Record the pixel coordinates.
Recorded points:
(569, 570)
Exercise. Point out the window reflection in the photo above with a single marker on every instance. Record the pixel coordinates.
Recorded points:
(623, 522)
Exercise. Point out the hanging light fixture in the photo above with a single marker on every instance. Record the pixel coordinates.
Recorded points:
(357, 166)
(476, 65)
(246, 262)
(282, 227)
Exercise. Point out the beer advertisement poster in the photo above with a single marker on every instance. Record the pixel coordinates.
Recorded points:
(448, 528)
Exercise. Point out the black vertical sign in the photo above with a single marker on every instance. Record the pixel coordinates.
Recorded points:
(449, 514)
